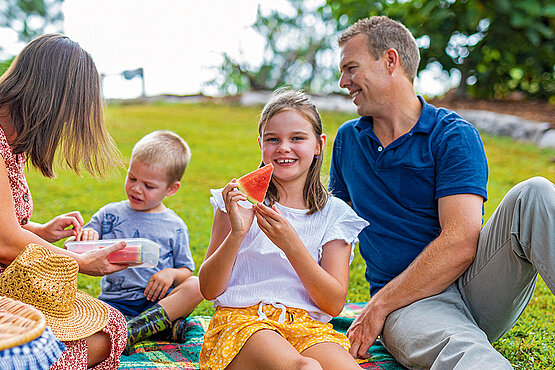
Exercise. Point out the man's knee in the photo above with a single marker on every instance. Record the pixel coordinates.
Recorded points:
(537, 188)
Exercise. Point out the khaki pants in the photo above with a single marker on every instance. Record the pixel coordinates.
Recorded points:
(453, 330)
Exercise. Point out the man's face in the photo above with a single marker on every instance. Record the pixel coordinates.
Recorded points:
(363, 76)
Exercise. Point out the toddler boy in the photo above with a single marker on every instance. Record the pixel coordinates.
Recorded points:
(154, 299)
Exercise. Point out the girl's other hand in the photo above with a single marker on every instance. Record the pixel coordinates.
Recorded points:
(275, 226)
(240, 218)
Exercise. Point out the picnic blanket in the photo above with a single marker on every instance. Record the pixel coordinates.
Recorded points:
(150, 355)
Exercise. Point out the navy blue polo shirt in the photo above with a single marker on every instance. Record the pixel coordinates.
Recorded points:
(396, 188)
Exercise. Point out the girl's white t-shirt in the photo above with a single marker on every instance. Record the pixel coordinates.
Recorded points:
(262, 272)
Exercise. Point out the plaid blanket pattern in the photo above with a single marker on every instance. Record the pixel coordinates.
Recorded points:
(151, 355)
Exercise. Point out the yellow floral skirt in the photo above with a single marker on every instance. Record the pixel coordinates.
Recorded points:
(230, 328)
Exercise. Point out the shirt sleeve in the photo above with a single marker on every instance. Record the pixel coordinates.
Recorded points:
(461, 163)
(345, 225)
(337, 184)
(96, 222)
(181, 250)
(217, 201)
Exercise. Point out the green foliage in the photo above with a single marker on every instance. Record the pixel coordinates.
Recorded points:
(298, 53)
(498, 46)
(5, 64)
(30, 18)
(223, 141)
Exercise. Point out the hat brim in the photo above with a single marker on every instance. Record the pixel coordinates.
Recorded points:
(89, 315)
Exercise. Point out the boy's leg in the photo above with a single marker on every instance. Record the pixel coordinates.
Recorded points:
(517, 242)
(152, 321)
(331, 356)
(267, 349)
(183, 299)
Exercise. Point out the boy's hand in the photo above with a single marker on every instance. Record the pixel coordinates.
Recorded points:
(87, 234)
(159, 284)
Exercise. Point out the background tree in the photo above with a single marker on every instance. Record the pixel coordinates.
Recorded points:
(298, 52)
(497, 46)
(31, 18)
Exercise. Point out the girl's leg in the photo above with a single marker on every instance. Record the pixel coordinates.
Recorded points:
(266, 349)
(331, 356)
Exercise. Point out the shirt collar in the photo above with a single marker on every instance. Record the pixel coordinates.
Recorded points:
(424, 124)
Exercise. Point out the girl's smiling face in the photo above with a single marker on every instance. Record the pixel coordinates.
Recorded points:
(290, 144)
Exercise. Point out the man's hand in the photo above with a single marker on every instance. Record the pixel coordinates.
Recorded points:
(57, 228)
(159, 284)
(365, 330)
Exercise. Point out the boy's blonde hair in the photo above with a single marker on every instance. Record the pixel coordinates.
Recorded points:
(163, 149)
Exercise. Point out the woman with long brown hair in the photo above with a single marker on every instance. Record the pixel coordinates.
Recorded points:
(50, 107)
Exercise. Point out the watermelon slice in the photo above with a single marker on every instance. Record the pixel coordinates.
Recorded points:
(255, 184)
(130, 255)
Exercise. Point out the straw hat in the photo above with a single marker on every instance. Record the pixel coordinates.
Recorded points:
(48, 281)
(19, 323)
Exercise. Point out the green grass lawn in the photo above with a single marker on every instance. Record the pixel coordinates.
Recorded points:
(223, 140)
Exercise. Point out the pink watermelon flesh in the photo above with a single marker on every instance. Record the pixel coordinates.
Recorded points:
(255, 184)
(130, 255)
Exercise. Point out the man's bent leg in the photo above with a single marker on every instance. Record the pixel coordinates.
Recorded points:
(517, 242)
(439, 332)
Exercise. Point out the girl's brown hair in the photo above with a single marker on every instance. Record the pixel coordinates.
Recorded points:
(52, 91)
(315, 194)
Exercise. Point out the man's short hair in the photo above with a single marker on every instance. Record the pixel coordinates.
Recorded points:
(163, 149)
(383, 33)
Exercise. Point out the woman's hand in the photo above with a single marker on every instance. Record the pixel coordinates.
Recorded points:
(95, 262)
(57, 228)
(240, 218)
(275, 226)
(158, 284)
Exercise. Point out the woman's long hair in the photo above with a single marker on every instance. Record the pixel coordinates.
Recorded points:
(315, 194)
(52, 91)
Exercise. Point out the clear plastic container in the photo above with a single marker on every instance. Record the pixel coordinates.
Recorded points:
(138, 252)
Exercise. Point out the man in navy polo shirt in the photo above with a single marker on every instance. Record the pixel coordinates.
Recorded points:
(442, 287)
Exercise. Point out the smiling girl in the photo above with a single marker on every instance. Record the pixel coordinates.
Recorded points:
(278, 272)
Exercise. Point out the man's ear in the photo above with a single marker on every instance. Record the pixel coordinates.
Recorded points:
(391, 60)
(173, 188)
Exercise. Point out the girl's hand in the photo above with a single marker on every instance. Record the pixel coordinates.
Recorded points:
(275, 226)
(159, 284)
(95, 262)
(240, 218)
(57, 228)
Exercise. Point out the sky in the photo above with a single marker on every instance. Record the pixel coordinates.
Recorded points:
(178, 43)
